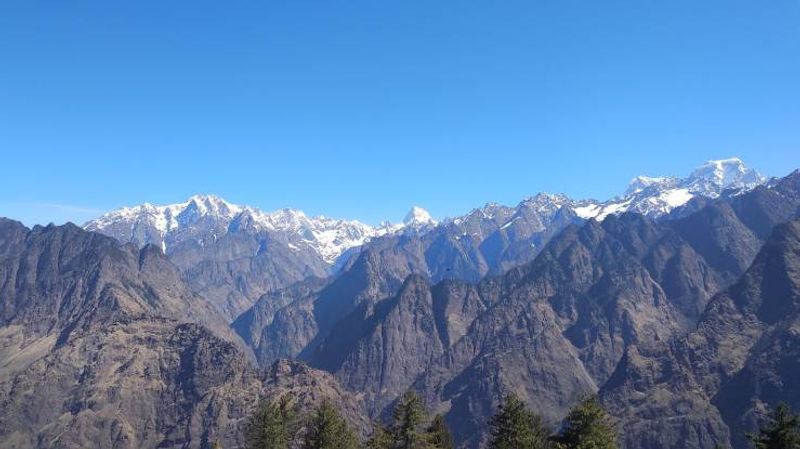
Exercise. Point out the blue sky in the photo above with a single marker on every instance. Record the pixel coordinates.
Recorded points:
(362, 108)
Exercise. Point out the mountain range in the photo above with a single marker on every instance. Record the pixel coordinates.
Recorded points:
(677, 302)
(233, 254)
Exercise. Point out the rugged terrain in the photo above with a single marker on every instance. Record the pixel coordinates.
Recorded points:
(234, 254)
(554, 330)
(676, 302)
(103, 345)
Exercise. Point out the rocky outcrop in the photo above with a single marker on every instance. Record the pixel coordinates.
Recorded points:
(102, 345)
(687, 326)
(714, 384)
(558, 328)
(313, 308)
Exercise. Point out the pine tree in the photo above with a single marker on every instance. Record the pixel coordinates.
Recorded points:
(380, 439)
(271, 426)
(327, 429)
(438, 435)
(588, 426)
(781, 432)
(516, 427)
(409, 415)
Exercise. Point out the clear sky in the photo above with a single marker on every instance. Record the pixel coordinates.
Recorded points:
(359, 109)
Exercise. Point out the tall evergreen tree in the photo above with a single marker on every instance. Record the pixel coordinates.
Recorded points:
(781, 432)
(327, 429)
(588, 426)
(380, 439)
(409, 416)
(516, 427)
(438, 435)
(271, 426)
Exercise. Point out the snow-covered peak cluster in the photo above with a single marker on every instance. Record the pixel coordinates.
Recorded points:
(651, 196)
(170, 217)
(204, 217)
(657, 196)
(208, 216)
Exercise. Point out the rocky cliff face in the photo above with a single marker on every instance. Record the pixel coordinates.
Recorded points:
(686, 325)
(715, 383)
(377, 270)
(552, 330)
(59, 278)
(102, 345)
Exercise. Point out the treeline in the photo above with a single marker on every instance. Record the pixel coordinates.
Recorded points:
(587, 426)
(782, 430)
(277, 425)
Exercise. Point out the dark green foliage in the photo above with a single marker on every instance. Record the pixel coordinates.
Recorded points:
(588, 426)
(516, 427)
(271, 427)
(438, 435)
(327, 429)
(409, 416)
(380, 439)
(781, 432)
(408, 430)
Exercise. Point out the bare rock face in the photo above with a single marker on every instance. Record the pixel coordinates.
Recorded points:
(686, 326)
(380, 351)
(102, 345)
(59, 278)
(144, 383)
(714, 384)
(311, 309)
(307, 388)
(465, 249)
(238, 267)
(553, 330)
(606, 306)
(560, 325)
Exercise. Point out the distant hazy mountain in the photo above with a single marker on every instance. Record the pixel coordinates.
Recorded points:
(234, 254)
(205, 218)
(654, 197)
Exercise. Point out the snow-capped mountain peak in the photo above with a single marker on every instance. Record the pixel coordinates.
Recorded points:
(418, 217)
(205, 217)
(213, 205)
(724, 174)
(640, 183)
(657, 196)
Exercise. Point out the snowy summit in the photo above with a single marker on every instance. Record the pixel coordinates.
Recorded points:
(204, 218)
(418, 217)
